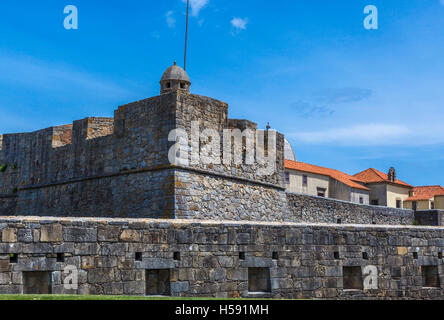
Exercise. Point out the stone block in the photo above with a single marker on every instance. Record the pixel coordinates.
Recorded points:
(9, 235)
(101, 275)
(108, 233)
(79, 234)
(130, 236)
(25, 235)
(51, 233)
(4, 265)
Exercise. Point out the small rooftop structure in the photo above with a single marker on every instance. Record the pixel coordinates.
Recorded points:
(173, 79)
(289, 152)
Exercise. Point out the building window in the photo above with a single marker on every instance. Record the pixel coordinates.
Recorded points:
(321, 192)
(304, 180)
(398, 204)
(182, 85)
(430, 277)
(352, 278)
(414, 205)
(361, 200)
(168, 85)
(432, 205)
(375, 203)
(287, 177)
(158, 282)
(259, 280)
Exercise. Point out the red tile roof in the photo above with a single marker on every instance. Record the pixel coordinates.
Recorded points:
(332, 173)
(375, 176)
(426, 193)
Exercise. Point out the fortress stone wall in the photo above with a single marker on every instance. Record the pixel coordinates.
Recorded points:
(221, 259)
(313, 209)
(119, 167)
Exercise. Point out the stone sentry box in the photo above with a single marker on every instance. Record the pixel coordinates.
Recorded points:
(219, 259)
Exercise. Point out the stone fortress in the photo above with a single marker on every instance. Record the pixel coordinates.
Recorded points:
(101, 197)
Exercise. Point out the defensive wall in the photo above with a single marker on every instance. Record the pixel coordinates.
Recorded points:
(221, 259)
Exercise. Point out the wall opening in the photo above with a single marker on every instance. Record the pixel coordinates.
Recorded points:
(336, 255)
(415, 255)
(37, 282)
(396, 273)
(365, 255)
(13, 258)
(275, 256)
(176, 256)
(158, 282)
(138, 256)
(440, 255)
(60, 257)
(338, 221)
(241, 255)
(352, 278)
(259, 280)
(430, 277)
(322, 192)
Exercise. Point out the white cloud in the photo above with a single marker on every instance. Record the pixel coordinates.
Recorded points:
(376, 134)
(196, 6)
(365, 134)
(170, 20)
(239, 24)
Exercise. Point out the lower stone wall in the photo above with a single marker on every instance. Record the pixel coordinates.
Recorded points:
(220, 259)
(430, 217)
(307, 208)
(213, 197)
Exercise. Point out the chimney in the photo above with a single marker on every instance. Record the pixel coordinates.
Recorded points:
(392, 175)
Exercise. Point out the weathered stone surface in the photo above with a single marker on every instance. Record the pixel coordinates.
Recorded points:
(301, 260)
(130, 236)
(9, 235)
(79, 234)
(51, 233)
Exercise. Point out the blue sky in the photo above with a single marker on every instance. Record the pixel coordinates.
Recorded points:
(346, 97)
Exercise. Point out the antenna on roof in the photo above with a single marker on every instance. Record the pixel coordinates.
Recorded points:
(186, 37)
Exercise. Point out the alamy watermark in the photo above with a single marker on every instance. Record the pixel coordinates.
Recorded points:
(371, 20)
(71, 280)
(235, 147)
(71, 21)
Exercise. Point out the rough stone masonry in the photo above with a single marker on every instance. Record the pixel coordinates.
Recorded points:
(153, 228)
(119, 167)
(220, 259)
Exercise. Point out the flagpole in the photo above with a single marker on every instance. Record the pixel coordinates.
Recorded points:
(186, 37)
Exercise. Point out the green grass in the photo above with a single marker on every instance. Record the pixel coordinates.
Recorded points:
(83, 297)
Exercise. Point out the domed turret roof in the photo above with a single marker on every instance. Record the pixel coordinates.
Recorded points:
(288, 150)
(175, 73)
